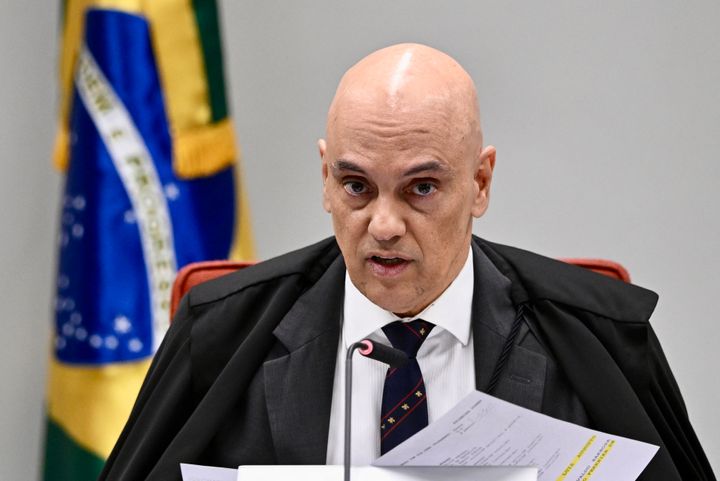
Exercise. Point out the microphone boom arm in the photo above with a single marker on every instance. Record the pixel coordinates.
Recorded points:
(379, 352)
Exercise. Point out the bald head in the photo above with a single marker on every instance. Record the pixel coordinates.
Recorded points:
(408, 80)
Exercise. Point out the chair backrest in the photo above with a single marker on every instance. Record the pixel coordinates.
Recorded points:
(197, 272)
(601, 266)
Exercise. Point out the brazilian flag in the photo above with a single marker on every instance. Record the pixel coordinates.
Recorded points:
(151, 184)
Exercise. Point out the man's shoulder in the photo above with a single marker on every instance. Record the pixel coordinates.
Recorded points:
(544, 278)
(300, 267)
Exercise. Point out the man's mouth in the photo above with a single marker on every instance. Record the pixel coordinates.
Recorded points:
(387, 266)
(388, 261)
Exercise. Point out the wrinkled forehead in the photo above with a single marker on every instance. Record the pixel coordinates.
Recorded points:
(391, 142)
(374, 122)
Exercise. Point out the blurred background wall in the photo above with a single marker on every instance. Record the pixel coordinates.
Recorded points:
(29, 194)
(606, 118)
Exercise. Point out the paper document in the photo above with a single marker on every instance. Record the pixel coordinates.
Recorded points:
(485, 431)
(372, 473)
(195, 472)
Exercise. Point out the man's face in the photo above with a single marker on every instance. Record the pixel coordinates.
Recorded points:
(402, 188)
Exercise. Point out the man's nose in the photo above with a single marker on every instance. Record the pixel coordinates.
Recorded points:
(386, 220)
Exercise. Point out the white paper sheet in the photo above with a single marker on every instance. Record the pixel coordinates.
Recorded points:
(196, 472)
(373, 473)
(485, 431)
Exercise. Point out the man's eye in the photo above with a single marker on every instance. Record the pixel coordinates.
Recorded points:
(423, 189)
(353, 187)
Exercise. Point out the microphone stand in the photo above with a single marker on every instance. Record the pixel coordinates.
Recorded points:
(348, 405)
(379, 352)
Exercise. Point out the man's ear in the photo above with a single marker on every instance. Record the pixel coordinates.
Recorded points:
(322, 149)
(483, 178)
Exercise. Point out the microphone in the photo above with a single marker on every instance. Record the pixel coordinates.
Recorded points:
(379, 352)
(386, 354)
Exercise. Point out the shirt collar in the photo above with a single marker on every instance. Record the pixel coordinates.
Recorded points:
(451, 311)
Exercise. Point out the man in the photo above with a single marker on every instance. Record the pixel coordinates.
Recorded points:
(251, 370)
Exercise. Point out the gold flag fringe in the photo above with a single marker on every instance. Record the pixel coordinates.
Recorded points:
(204, 150)
(61, 150)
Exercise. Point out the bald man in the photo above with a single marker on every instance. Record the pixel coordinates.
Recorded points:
(251, 371)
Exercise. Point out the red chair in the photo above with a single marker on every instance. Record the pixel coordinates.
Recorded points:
(197, 272)
(602, 266)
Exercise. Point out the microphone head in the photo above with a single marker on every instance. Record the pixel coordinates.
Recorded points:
(367, 348)
(380, 352)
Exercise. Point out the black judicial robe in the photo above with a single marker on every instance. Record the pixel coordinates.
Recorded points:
(204, 398)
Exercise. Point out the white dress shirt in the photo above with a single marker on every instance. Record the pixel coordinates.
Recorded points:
(446, 360)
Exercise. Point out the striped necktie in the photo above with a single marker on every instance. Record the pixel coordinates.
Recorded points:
(404, 401)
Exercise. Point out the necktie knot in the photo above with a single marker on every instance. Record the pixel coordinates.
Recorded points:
(408, 336)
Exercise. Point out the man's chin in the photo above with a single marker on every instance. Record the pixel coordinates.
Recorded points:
(402, 305)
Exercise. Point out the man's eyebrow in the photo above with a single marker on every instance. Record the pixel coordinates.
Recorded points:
(429, 166)
(342, 164)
